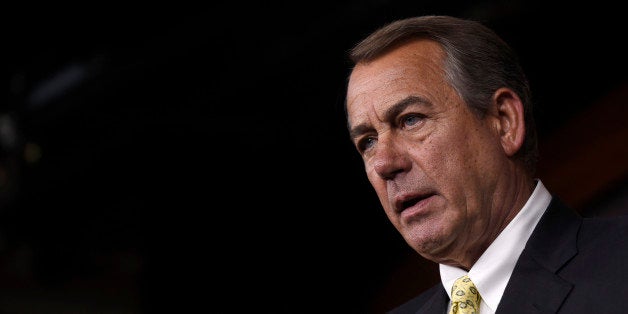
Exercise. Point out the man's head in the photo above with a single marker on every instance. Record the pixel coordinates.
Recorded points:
(439, 109)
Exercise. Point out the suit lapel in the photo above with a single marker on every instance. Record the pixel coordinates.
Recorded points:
(534, 286)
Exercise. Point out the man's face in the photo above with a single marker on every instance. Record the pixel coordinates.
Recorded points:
(432, 162)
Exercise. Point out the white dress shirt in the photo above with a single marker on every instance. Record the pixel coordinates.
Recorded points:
(491, 272)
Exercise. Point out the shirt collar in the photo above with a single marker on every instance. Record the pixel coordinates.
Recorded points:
(491, 272)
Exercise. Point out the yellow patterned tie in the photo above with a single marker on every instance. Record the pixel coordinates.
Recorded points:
(465, 298)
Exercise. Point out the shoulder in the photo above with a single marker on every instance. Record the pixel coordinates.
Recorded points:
(413, 305)
(602, 253)
(597, 272)
(603, 233)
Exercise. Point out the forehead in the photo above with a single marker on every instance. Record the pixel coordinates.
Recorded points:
(413, 68)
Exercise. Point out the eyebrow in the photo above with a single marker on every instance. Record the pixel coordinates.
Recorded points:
(390, 113)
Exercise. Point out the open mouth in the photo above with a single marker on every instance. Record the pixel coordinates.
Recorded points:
(408, 202)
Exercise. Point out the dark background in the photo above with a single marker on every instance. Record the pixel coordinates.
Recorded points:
(162, 158)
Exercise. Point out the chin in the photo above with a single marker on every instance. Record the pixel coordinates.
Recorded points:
(426, 243)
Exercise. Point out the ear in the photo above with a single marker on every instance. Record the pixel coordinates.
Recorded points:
(510, 120)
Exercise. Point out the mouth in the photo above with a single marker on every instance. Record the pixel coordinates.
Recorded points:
(415, 202)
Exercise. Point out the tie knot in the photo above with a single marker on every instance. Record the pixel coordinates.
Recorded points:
(464, 296)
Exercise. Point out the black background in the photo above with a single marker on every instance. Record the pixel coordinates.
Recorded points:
(195, 157)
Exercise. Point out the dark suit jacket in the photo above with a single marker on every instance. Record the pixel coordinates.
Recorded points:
(569, 265)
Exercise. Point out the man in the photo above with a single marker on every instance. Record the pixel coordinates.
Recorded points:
(440, 111)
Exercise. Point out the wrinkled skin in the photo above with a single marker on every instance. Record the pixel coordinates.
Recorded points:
(444, 176)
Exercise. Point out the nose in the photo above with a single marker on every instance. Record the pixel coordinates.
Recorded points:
(390, 159)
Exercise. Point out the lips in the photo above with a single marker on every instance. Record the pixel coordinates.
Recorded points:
(415, 202)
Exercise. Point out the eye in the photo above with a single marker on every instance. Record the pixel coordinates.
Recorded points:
(366, 143)
(410, 120)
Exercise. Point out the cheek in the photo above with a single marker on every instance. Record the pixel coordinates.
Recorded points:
(448, 161)
(436, 156)
(460, 165)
